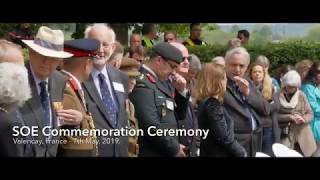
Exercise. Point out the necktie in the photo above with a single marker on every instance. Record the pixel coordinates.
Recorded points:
(44, 97)
(111, 107)
(247, 108)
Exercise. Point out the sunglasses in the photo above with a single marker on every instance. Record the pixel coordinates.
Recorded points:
(188, 58)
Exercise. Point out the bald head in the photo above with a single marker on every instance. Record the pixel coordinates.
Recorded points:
(184, 65)
(10, 53)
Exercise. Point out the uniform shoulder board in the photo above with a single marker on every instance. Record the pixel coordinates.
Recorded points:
(140, 85)
(73, 84)
(141, 76)
(151, 78)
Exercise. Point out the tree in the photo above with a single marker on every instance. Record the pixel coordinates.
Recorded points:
(80, 28)
(313, 34)
(234, 29)
(7, 27)
(261, 34)
(266, 31)
(218, 37)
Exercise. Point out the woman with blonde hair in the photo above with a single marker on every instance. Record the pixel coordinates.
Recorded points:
(271, 132)
(211, 85)
(303, 68)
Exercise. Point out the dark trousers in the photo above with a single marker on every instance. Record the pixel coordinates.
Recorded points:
(267, 141)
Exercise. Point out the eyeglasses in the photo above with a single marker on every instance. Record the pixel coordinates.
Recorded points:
(188, 58)
(106, 45)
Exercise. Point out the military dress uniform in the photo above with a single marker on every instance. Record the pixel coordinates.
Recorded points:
(78, 146)
(155, 106)
(130, 67)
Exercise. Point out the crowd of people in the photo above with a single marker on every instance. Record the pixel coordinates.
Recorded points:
(94, 84)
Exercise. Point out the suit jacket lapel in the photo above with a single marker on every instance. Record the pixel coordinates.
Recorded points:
(93, 92)
(237, 97)
(54, 91)
(163, 89)
(232, 91)
(120, 96)
(33, 105)
(113, 78)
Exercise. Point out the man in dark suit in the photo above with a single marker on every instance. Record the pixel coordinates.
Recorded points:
(185, 112)
(47, 87)
(243, 103)
(105, 93)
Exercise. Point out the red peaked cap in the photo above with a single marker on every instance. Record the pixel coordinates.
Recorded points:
(82, 47)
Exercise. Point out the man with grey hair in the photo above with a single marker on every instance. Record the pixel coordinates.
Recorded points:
(194, 68)
(244, 105)
(183, 99)
(105, 93)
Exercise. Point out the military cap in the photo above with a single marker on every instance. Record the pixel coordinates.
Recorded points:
(82, 47)
(168, 52)
(130, 67)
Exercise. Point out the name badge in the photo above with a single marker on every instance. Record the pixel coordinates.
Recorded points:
(118, 86)
(170, 105)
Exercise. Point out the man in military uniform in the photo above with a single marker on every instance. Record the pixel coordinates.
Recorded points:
(131, 68)
(155, 105)
(77, 69)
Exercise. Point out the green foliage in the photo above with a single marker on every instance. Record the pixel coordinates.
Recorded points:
(25, 54)
(313, 33)
(7, 27)
(182, 29)
(79, 33)
(217, 37)
(278, 53)
(206, 53)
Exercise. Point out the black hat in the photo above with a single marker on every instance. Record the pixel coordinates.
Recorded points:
(168, 52)
(82, 47)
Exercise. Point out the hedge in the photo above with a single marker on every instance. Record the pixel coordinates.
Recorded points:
(277, 53)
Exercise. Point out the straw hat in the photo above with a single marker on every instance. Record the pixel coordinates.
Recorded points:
(49, 43)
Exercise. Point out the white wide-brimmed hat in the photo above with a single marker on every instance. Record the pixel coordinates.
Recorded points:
(48, 42)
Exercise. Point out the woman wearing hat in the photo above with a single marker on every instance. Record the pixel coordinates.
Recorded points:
(294, 115)
(130, 67)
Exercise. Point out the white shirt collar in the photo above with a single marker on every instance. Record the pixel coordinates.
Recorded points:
(37, 80)
(95, 72)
